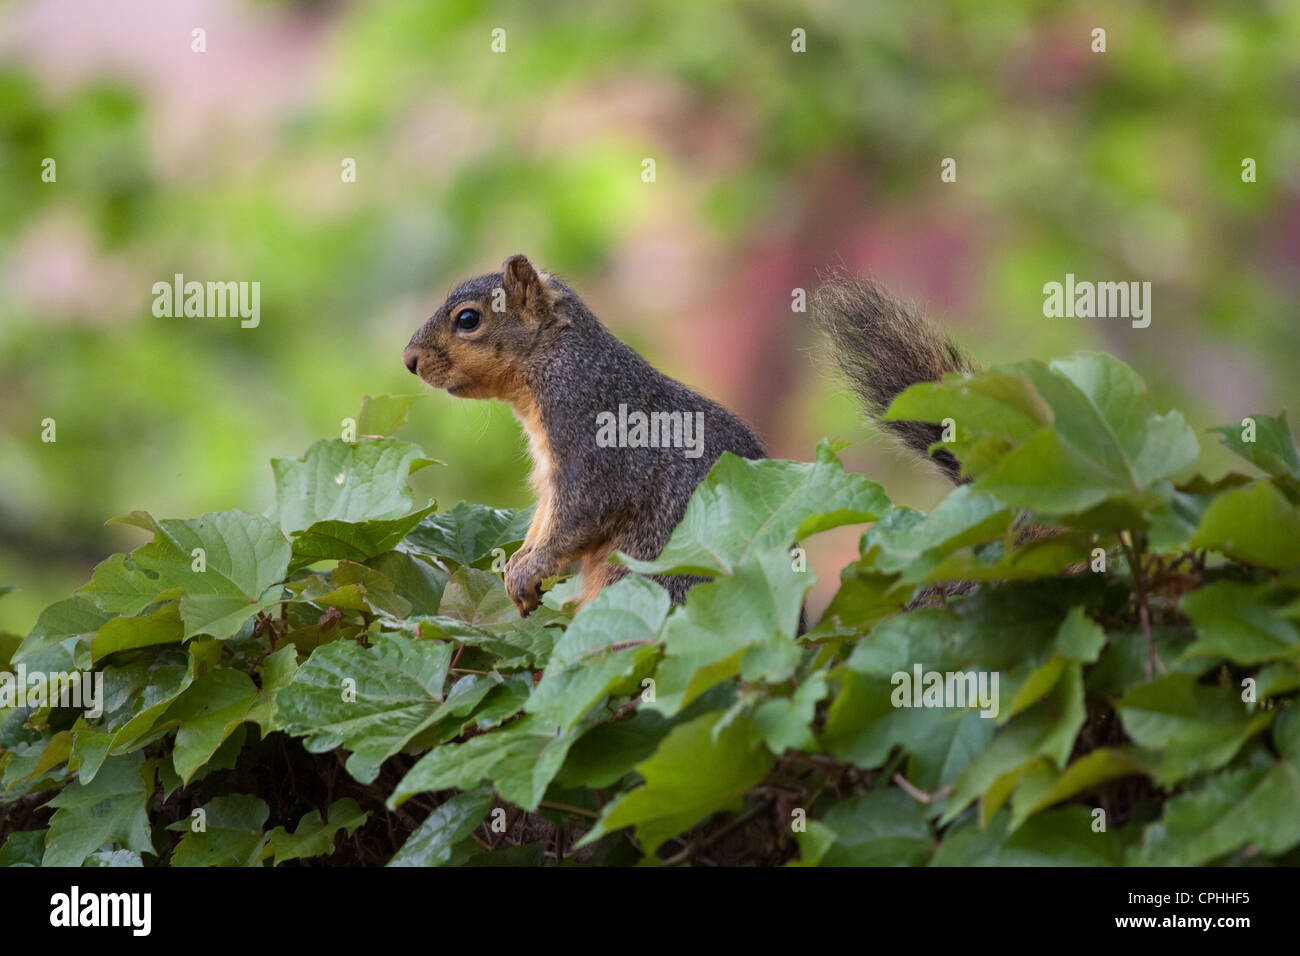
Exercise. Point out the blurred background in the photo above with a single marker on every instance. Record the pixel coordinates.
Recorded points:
(770, 166)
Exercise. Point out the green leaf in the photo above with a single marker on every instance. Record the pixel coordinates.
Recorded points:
(519, 760)
(783, 723)
(962, 519)
(476, 610)
(433, 843)
(231, 835)
(879, 828)
(1242, 622)
(163, 626)
(1087, 773)
(1273, 448)
(276, 672)
(996, 402)
(245, 559)
(118, 585)
(370, 700)
(1255, 524)
(745, 506)
(677, 794)
(468, 534)
(75, 617)
(339, 481)
(1063, 837)
(314, 836)
(743, 624)
(1058, 438)
(383, 414)
(1256, 805)
(417, 581)
(373, 588)
(1047, 729)
(89, 750)
(208, 712)
(352, 540)
(137, 695)
(23, 848)
(863, 727)
(109, 809)
(1079, 639)
(1012, 630)
(478, 598)
(863, 601)
(605, 644)
(608, 752)
(1197, 727)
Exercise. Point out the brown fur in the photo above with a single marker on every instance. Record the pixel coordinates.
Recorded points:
(883, 347)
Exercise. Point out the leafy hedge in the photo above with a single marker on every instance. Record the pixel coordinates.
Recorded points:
(344, 680)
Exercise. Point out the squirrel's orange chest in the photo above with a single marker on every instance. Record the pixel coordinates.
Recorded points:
(543, 473)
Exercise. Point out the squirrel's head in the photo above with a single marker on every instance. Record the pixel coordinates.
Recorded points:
(478, 343)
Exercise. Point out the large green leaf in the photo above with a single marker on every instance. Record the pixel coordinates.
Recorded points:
(109, 809)
(163, 626)
(1195, 726)
(468, 534)
(314, 836)
(75, 617)
(1242, 622)
(352, 540)
(1256, 524)
(604, 645)
(243, 562)
(208, 712)
(1058, 438)
(743, 624)
(881, 828)
(1257, 805)
(1063, 837)
(744, 506)
(342, 481)
(231, 833)
(434, 842)
(120, 586)
(519, 761)
(677, 792)
(370, 700)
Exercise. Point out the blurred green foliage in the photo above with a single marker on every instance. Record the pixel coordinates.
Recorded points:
(1122, 165)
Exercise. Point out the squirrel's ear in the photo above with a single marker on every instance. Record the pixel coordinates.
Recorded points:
(525, 288)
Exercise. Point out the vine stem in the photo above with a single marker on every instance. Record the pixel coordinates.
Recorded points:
(917, 794)
(1144, 609)
(569, 808)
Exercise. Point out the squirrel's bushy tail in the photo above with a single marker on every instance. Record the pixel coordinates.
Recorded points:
(883, 347)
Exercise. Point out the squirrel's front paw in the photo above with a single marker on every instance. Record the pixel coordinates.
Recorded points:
(523, 583)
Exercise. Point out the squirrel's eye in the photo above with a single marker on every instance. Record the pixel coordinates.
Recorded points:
(467, 320)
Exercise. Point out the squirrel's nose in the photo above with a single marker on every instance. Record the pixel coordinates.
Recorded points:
(411, 359)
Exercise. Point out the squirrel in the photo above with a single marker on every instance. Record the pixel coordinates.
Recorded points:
(618, 447)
